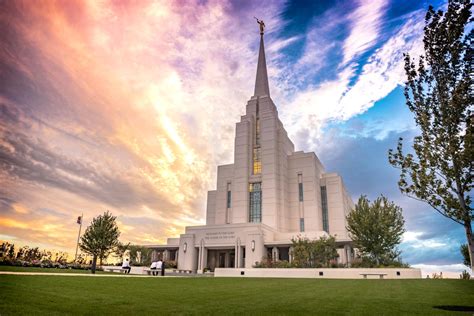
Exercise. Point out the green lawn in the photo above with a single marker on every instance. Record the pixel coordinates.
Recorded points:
(222, 296)
(49, 270)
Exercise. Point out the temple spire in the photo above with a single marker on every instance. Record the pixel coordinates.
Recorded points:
(261, 81)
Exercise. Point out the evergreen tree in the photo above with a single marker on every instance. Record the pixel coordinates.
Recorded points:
(439, 92)
(376, 229)
(100, 237)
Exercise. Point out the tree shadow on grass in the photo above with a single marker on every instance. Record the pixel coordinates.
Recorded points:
(455, 308)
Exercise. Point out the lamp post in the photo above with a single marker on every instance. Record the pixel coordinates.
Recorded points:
(79, 221)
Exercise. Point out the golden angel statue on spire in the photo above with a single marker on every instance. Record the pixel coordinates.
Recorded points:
(262, 25)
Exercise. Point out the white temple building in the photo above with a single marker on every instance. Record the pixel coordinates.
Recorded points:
(269, 195)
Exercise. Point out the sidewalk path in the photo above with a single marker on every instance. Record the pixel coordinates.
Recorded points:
(86, 274)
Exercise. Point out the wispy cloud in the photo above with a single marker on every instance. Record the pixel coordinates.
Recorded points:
(353, 92)
(129, 106)
(115, 105)
(365, 24)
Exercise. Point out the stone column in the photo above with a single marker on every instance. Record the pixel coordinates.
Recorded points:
(202, 257)
(237, 253)
(347, 251)
(275, 254)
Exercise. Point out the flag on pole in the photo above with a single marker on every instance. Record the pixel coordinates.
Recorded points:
(79, 220)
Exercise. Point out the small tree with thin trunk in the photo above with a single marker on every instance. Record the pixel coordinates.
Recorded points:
(439, 92)
(100, 237)
(376, 229)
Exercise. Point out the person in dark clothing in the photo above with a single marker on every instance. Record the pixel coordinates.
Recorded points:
(163, 268)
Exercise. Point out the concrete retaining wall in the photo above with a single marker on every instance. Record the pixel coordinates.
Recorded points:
(319, 273)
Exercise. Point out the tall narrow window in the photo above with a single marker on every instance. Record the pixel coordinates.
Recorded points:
(257, 132)
(257, 163)
(301, 224)
(229, 203)
(255, 202)
(301, 198)
(324, 206)
(229, 195)
(256, 155)
(300, 187)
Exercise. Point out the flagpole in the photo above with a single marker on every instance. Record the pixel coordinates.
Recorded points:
(78, 236)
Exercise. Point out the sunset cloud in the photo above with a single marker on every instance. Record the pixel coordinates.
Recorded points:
(129, 106)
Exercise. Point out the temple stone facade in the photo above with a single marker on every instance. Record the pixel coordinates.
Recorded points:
(269, 195)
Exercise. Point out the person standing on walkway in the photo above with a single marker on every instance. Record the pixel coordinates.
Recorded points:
(163, 268)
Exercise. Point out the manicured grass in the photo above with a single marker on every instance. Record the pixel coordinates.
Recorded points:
(21, 294)
(49, 270)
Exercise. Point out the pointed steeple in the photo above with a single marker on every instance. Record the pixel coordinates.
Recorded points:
(261, 81)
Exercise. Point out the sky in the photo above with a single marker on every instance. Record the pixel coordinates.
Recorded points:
(129, 106)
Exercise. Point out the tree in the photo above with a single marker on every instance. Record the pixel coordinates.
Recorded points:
(11, 252)
(32, 254)
(465, 255)
(312, 253)
(140, 254)
(21, 252)
(325, 250)
(100, 237)
(439, 93)
(301, 252)
(4, 249)
(120, 249)
(376, 229)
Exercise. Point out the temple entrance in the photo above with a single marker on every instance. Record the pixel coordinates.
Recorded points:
(220, 258)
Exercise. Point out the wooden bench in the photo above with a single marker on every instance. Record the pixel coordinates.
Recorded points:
(381, 275)
(119, 269)
(150, 271)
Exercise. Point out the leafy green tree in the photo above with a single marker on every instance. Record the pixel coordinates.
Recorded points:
(439, 92)
(325, 250)
(312, 253)
(100, 237)
(376, 229)
(301, 252)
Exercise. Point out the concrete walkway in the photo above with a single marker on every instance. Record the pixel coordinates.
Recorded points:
(121, 275)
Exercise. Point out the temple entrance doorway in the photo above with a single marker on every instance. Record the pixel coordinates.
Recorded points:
(220, 258)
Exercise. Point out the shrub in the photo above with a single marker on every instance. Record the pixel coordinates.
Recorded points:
(465, 275)
(268, 263)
